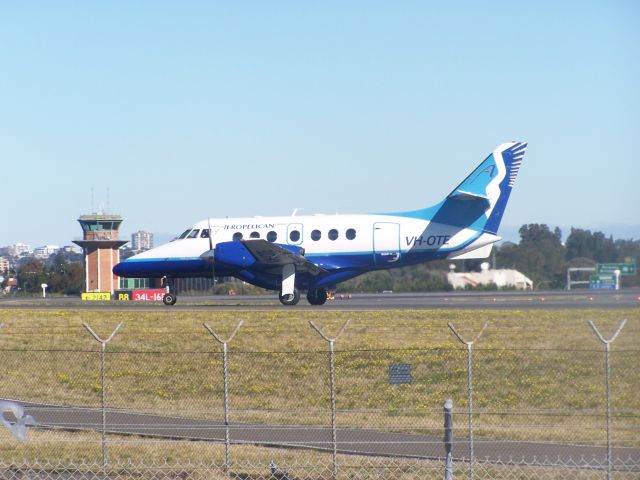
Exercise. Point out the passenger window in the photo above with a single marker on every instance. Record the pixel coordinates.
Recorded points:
(272, 236)
(184, 235)
(294, 236)
(333, 234)
(194, 233)
(316, 235)
(237, 236)
(205, 233)
(254, 235)
(351, 234)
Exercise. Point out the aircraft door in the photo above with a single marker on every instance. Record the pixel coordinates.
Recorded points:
(386, 243)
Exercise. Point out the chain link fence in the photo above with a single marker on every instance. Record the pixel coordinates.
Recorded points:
(330, 413)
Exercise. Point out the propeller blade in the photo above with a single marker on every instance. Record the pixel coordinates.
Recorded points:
(210, 234)
(213, 259)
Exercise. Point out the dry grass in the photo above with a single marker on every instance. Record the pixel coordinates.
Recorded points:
(538, 375)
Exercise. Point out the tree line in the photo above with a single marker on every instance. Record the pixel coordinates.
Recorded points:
(540, 255)
(59, 273)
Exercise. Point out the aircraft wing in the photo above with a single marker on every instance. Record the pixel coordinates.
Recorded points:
(272, 255)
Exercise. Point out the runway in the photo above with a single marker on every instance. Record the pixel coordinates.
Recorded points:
(556, 299)
(350, 441)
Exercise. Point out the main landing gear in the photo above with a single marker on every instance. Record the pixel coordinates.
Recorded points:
(317, 296)
(290, 298)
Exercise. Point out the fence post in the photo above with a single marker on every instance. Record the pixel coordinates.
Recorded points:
(225, 373)
(332, 386)
(607, 343)
(103, 367)
(469, 345)
(448, 439)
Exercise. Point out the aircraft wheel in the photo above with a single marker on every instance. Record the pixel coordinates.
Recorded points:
(317, 296)
(290, 299)
(169, 299)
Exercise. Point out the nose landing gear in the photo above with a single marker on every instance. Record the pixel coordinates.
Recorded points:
(169, 298)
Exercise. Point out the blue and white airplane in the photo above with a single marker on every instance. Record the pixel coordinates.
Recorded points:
(315, 253)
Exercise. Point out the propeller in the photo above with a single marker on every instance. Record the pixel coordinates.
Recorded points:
(213, 260)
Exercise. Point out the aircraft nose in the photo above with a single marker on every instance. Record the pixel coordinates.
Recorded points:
(120, 269)
(130, 269)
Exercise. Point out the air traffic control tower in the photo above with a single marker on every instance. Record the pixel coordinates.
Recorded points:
(100, 245)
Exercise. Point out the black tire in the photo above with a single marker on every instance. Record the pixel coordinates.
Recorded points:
(169, 299)
(317, 296)
(289, 300)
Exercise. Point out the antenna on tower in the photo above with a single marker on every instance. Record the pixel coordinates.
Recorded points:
(107, 200)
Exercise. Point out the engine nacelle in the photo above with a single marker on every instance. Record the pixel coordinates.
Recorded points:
(233, 254)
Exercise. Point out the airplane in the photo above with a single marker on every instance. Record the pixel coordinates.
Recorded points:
(313, 253)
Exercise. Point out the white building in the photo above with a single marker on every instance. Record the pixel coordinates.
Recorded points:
(4, 264)
(18, 249)
(502, 278)
(46, 251)
(70, 249)
(141, 241)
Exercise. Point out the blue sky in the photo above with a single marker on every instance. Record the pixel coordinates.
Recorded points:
(185, 110)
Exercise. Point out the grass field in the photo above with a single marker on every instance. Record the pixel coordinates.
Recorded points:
(131, 457)
(538, 375)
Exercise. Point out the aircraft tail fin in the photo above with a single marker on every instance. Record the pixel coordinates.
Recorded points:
(488, 187)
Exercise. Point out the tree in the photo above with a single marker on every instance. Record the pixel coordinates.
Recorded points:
(31, 275)
(64, 276)
(540, 255)
(583, 243)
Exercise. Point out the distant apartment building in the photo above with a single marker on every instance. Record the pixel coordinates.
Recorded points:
(46, 251)
(4, 265)
(18, 249)
(141, 240)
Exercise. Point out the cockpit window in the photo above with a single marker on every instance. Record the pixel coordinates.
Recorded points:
(194, 233)
(184, 235)
(205, 233)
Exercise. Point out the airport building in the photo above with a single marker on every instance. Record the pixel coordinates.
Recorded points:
(101, 249)
(501, 278)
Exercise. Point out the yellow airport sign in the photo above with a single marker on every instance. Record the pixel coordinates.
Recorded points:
(92, 296)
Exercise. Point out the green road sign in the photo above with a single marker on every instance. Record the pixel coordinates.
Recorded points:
(610, 268)
(602, 281)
